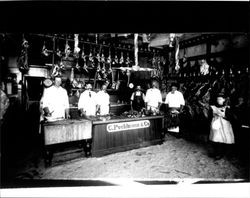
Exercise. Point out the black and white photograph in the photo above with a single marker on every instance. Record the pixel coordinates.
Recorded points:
(105, 107)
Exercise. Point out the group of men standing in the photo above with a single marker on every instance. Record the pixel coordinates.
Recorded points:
(153, 98)
(153, 101)
(55, 101)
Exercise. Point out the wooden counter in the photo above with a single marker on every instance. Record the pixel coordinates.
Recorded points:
(63, 131)
(66, 131)
(123, 134)
(102, 137)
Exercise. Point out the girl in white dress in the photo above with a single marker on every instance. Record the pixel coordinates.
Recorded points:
(221, 130)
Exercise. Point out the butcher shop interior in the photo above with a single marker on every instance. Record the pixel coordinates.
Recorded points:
(157, 106)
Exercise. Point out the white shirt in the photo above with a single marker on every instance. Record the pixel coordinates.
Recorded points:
(153, 98)
(88, 103)
(103, 100)
(175, 100)
(56, 99)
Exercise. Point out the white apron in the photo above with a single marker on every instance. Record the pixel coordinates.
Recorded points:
(221, 129)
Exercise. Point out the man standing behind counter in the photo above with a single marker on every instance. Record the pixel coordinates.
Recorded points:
(153, 98)
(175, 103)
(87, 102)
(137, 99)
(55, 101)
(103, 102)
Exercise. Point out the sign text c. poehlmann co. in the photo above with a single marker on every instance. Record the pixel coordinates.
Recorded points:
(124, 126)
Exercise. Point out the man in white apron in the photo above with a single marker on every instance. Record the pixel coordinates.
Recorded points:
(153, 98)
(87, 102)
(103, 101)
(175, 102)
(55, 102)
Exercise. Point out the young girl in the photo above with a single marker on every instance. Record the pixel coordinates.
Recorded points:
(221, 131)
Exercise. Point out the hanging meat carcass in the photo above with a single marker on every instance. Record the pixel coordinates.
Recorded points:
(83, 56)
(204, 68)
(116, 60)
(121, 61)
(22, 60)
(91, 58)
(103, 70)
(102, 60)
(76, 50)
(76, 46)
(58, 52)
(45, 51)
(127, 60)
(56, 71)
(177, 65)
(98, 69)
(67, 50)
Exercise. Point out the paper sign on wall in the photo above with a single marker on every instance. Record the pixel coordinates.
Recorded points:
(124, 126)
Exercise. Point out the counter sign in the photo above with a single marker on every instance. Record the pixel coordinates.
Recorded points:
(124, 126)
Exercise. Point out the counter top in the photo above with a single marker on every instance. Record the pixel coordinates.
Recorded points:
(117, 119)
(111, 105)
(66, 121)
(95, 120)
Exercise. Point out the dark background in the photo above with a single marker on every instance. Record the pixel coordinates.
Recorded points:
(121, 16)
